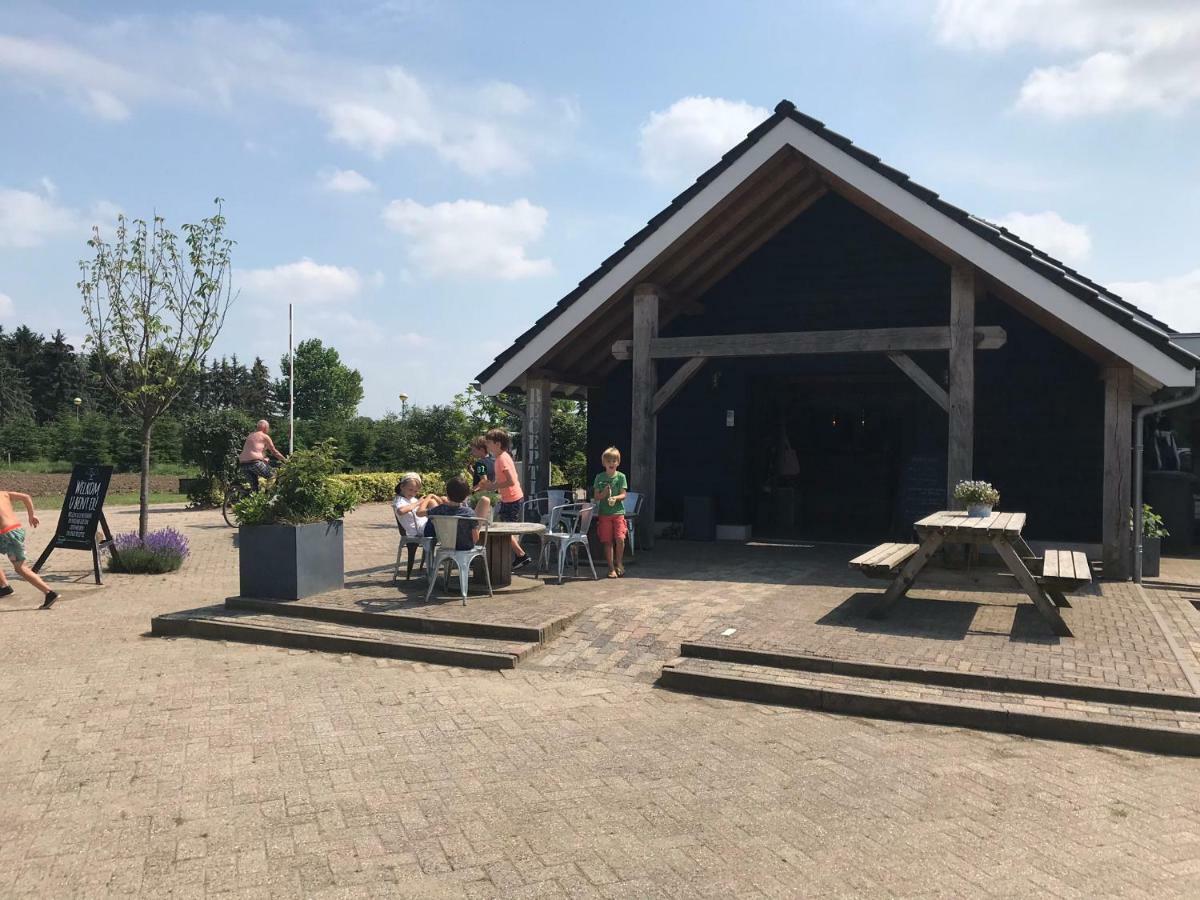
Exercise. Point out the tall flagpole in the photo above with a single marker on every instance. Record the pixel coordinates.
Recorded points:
(291, 386)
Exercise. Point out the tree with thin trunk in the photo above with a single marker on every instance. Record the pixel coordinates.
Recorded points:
(154, 309)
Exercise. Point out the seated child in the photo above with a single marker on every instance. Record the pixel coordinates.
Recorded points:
(411, 510)
(455, 504)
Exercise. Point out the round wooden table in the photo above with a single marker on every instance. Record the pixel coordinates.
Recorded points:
(499, 548)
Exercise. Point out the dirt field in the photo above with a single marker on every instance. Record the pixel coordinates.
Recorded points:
(48, 485)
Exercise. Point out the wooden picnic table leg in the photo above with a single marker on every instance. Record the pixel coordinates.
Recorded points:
(1025, 578)
(907, 575)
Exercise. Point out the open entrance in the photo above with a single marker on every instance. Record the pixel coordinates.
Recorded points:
(847, 457)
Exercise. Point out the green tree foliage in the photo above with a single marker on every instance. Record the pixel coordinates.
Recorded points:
(326, 388)
(153, 309)
(212, 440)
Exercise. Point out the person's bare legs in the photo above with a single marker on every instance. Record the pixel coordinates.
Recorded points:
(608, 557)
(25, 571)
(483, 507)
(3, 580)
(619, 546)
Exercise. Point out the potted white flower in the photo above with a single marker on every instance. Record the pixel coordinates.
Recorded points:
(978, 496)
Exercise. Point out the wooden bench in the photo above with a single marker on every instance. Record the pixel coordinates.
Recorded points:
(1064, 572)
(885, 560)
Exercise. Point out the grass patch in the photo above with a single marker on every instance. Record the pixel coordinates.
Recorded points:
(55, 501)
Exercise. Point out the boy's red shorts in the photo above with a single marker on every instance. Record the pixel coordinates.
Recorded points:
(610, 528)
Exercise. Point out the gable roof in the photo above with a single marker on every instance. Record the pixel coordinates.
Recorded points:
(1131, 333)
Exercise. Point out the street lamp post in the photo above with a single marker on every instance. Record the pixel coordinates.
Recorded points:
(78, 401)
(403, 405)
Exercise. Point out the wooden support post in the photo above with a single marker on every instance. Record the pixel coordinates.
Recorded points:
(537, 435)
(960, 450)
(1118, 472)
(642, 470)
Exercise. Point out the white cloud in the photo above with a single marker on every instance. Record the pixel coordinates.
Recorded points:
(346, 181)
(222, 63)
(29, 220)
(681, 142)
(1051, 233)
(301, 282)
(1174, 300)
(6, 306)
(1128, 54)
(471, 239)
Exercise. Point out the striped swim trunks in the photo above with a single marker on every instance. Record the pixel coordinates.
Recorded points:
(12, 543)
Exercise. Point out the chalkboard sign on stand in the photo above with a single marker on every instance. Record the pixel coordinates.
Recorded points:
(82, 513)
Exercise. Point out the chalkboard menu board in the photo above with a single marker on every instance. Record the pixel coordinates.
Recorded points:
(82, 513)
(922, 490)
(82, 507)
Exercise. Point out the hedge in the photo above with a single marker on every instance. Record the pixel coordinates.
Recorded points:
(375, 486)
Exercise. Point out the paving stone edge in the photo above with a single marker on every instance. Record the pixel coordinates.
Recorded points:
(958, 714)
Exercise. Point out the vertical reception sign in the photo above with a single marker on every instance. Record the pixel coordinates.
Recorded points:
(82, 514)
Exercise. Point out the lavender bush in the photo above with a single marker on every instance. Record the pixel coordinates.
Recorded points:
(160, 551)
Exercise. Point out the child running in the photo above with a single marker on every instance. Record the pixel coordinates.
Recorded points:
(508, 485)
(12, 545)
(609, 490)
(411, 511)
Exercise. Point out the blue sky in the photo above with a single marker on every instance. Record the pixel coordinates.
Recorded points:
(423, 179)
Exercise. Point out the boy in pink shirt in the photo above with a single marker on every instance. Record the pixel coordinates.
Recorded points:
(508, 484)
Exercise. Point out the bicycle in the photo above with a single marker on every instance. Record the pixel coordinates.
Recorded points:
(238, 489)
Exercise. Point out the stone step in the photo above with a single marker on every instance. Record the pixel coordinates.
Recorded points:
(939, 677)
(222, 623)
(448, 619)
(1088, 722)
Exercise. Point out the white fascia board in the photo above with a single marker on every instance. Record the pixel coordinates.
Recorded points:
(645, 253)
(1126, 345)
(1136, 351)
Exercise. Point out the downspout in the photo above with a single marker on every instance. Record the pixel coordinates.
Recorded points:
(1139, 430)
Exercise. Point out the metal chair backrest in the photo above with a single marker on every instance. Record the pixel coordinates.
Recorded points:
(447, 528)
(633, 503)
(571, 518)
(558, 498)
(584, 521)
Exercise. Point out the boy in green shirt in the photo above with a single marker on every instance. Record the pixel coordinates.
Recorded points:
(608, 490)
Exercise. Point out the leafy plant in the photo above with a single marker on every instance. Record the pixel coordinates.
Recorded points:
(976, 493)
(1152, 523)
(158, 552)
(303, 491)
(154, 308)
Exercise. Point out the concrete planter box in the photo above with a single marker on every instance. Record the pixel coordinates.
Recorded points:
(1151, 556)
(289, 562)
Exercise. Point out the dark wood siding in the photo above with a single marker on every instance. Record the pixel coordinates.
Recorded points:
(1039, 402)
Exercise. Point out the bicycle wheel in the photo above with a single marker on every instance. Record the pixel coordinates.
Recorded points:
(233, 494)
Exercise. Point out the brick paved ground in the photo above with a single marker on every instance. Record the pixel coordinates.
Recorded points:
(191, 768)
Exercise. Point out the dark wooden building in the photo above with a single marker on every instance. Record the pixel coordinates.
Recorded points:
(821, 348)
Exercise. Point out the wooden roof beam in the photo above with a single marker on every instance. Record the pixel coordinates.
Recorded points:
(804, 343)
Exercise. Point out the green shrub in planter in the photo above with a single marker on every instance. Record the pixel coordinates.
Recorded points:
(303, 491)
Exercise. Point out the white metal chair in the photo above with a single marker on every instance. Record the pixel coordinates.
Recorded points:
(446, 552)
(633, 503)
(413, 542)
(567, 528)
(542, 504)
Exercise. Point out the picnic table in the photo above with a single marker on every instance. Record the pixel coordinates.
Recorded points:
(1058, 573)
(499, 548)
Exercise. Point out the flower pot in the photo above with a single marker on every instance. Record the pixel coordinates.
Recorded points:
(289, 562)
(979, 510)
(1151, 555)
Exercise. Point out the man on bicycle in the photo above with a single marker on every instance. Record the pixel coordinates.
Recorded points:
(253, 459)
